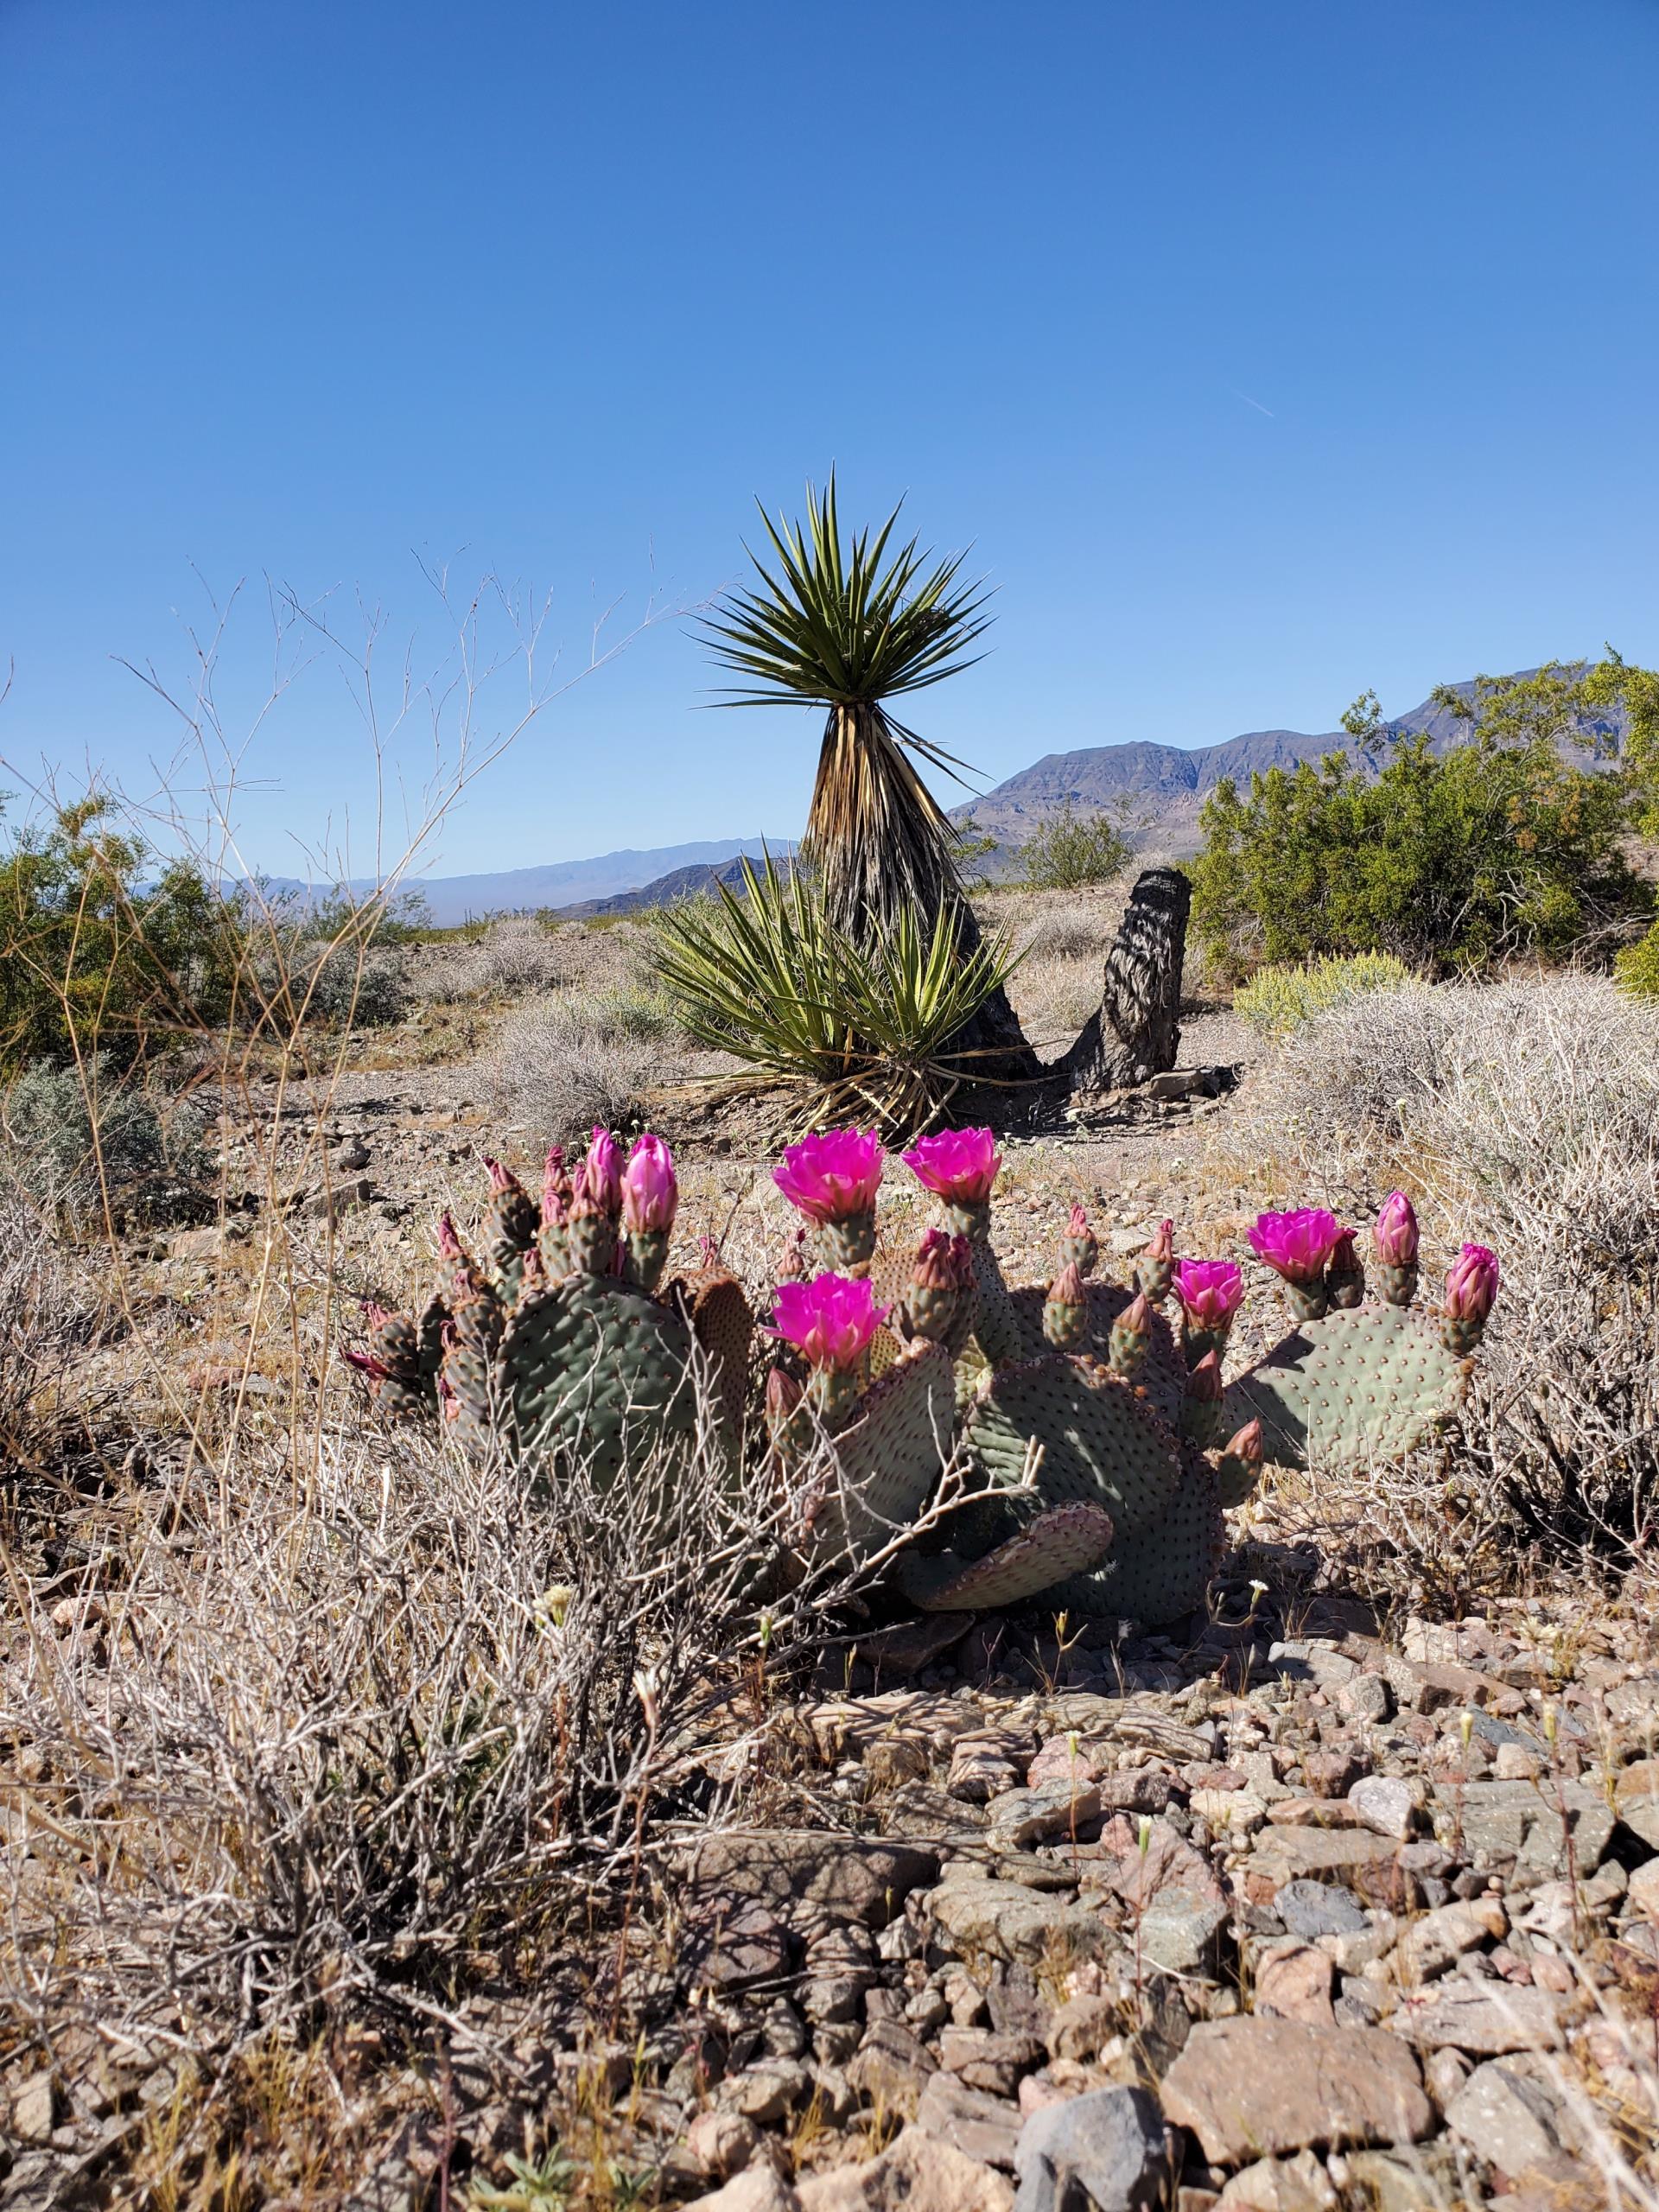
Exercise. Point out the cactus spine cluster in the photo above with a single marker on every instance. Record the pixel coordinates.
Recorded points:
(1088, 1424)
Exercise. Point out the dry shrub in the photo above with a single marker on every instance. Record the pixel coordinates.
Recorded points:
(561, 1066)
(326, 1739)
(49, 1312)
(1525, 1115)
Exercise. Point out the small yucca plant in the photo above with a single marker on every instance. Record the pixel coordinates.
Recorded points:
(763, 973)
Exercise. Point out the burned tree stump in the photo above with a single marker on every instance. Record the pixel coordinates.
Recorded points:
(1136, 1035)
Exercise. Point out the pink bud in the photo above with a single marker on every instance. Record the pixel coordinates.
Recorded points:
(1161, 1245)
(935, 1265)
(959, 1165)
(448, 1244)
(599, 1179)
(1396, 1232)
(962, 1259)
(650, 1193)
(376, 1369)
(830, 1318)
(783, 1396)
(555, 1188)
(832, 1174)
(501, 1178)
(1076, 1222)
(1296, 1244)
(1067, 1287)
(1247, 1444)
(1471, 1285)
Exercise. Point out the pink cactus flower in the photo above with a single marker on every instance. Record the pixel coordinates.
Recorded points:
(959, 1165)
(599, 1178)
(833, 1174)
(1209, 1291)
(1471, 1285)
(830, 1318)
(1397, 1231)
(650, 1193)
(1297, 1244)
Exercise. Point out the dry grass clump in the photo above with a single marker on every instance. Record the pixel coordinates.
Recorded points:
(50, 1312)
(1525, 1115)
(1063, 938)
(332, 1741)
(562, 1065)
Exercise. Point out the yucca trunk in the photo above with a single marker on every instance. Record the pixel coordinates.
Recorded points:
(881, 843)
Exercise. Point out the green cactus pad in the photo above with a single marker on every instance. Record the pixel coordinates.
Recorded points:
(890, 1456)
(1162, 1373)
(589, 1363)
(1103, 1443)
(1235, 1480)
(1163, 1570)
(1064, 1540)
(1366, 1385)
(723, 1323)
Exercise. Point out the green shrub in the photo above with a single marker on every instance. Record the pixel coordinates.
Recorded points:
(763, 974)
(73, 1135)
(1637, 969)
(92, 958)
(349, 993)
(1451, 864)
(1276, 1000)
(1070, 851)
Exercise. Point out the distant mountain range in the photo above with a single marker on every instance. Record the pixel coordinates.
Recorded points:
(586, 886)
(1164, 785)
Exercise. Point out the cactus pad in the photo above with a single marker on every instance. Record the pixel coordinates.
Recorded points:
(589, 1363)
(889, 1457)
(1163, 1570)
(1103, 1442)
(723, 1324)
(1066, 1540)
(1365, 1385)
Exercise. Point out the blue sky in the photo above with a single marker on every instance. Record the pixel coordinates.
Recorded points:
(1263, 352)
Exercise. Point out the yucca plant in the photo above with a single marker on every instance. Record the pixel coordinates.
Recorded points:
(849, 628)
(763, 973)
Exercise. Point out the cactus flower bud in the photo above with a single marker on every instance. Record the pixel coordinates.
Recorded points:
(1471, 1293)
(599, 1179)
(783, 1400)
(1079, 1245)
(1131, 1337)
(935, 1265)
(1396, 1232)
(555, 1187)
(650, 1193)
(1239, 1469)
(1200, 1414)
(1066, 1310)
(1344, 1278)
(1155, 1268)
(1247, 1444)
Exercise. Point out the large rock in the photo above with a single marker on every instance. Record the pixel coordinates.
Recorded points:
(1008, 1919)
(1510, 2119)
(1250, 2089)
(918, 2171)
(858, 1877)
(1170, 1890)
(983, 2129)
(1297, 2184)
(1531, 1821)
(1109, 2142)
(757, 2189)
(1368, 1863)
(1487, 2019)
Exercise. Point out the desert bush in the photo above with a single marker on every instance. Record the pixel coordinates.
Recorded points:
(374, 1722)
(562, 1065)
(1070, 851)
(93, 957)
(1636, 969)
(1526, 1112)
(77, 1137)
(1276, 1000)
(1451, 864)
(765, 975)
(49, 1311)
(349, 991)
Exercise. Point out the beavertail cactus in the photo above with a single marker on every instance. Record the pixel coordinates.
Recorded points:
(975, 1444)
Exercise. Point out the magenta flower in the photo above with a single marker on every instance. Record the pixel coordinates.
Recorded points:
(833, 1174)
(1297, 1245)
(959, 1165)
(1396, 1232)
(650, 1193)
(1209, 1291)
(830, 1318)
(1472, 1286)
(599, 1178)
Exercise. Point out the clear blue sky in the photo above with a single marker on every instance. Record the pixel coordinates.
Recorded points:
(1263, 351)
